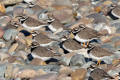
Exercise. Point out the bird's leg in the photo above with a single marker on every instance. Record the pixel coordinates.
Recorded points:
(87, 44)
(98, 62)
(84, 44)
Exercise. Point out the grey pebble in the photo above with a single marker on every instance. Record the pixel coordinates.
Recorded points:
(77, 60)
(10, 34)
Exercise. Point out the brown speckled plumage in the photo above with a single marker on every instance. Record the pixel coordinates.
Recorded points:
(116, 11)
(100, 52)
(42, 39)
(43, 52)
(88, 33)
(31, 22)
(98, 74)
(72, 44)
(56, 24)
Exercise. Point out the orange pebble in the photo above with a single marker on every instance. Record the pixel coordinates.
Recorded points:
(2, 8)
(97, 9)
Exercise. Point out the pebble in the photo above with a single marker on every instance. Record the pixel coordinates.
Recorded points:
(27, 73)
(65, 70)
(65, 59)
(41, 72)
(1, 33)
(64, 16)
(13, 47)
(17, 44)
(79, 74)
(37, 61)
(10, 34)
(77, 60)
(49, 76)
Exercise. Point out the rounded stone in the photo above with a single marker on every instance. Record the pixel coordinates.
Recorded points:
(1, 33)
(77, 60)
(10, 34)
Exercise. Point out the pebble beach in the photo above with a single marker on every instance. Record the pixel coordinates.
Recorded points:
(59, 39)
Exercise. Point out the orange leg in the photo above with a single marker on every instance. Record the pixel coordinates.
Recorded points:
(84, 44)
(87, 44)
(98, 62)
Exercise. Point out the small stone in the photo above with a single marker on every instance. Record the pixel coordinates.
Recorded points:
(4, 20)
(3, 55)
(79, 74)
(2, 43)
(104, 32)
(10, 34)
(8, 72)
(22, 54)
(107, 2)
(2, 70)
(13, 47)
(11, 59)
(10, 2)
(44, 3)
(113, 30)
(117, 45)
(27, 73)
(97, 9)
(37, 62)
(15, 70)
(77, 60)
(41, 72)
(18, 11)
(1, 33)
(49, 76)
(63, 77)
(63, 2)
(19, 62)
(64, 16)
(105, 39)
(65, 70)
(65, 59)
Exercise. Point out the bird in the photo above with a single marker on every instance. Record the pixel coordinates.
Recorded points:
(116, 12)
(99, 54)
(32, 24)
(99, 74)
(43, 40)
(55, 25)
(72, 45)
(43, 53)
(86, 34)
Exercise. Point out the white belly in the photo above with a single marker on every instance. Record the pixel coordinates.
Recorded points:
(32, 28)
(43, 58)
(52, 28)
(47, 44)
(80, 39)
